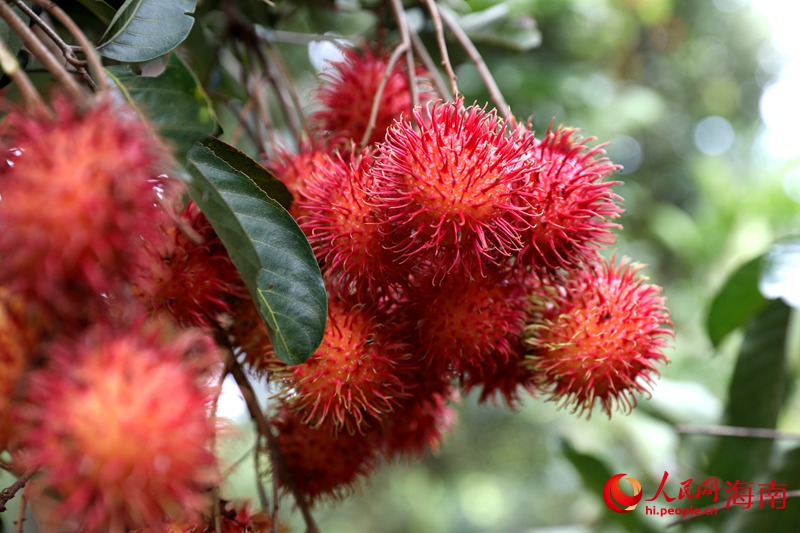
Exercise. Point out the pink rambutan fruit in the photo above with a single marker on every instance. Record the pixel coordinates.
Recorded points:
(341, 226)
(598, 336)
(503, 381)
(191, 278)
(354, 378)
(348, 91)
(453, 188)
(470, 322)
(572, 203)
(322, 464)
(76, 205)
(118, 425)
(18, 337)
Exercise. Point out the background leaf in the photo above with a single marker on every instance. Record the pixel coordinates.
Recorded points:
(267, 247)
(174, 102)
(737, 301)
(145, 29)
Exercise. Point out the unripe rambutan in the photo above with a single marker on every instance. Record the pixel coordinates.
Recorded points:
(76, 205)
(341, 227)
(470, 323)
(321, 463)
(455, 192)
(572, 204)
(194, 281)
(598, 337)
(354, 378)
(118, 425)
(347, 93)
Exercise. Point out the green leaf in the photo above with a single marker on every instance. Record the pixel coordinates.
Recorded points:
(496, 25)
(756, 394)
(173, 101)
(99, 9)
(267, 247)
(146, 29)
(737, 302)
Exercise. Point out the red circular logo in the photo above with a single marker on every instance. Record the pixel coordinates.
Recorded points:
(618, 501)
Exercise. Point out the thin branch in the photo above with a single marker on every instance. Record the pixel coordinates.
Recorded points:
(376, 101)
(92, 57)
(278, 462)
(736, 431)
(9, 492)
(40, 52)
(427, 60)
(437, 16)
(23, 502)
(405, 38)
(722, 506)
(285, 81)
(475, 56)
(10, 65)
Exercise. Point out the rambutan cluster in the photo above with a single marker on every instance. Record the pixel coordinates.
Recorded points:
(459, 250)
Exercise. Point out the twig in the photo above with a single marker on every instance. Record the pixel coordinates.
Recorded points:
(278, 462)
(722, 506)
(92, 57)
(475, 56)
(7, 493)
(405, 38)
(283, 76)
(736, 431)
(23, 501)
(427, 60)
(215, 510)
(436, 16)
(10, 65)
(40, 51)
(67, 50)
(376, 101)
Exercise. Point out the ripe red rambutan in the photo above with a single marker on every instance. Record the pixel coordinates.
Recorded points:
(354, 378)
(17, 340)
(234, 517)
(504, 380)
(118, 425)
(455, 192)
(321, 463)
(572, 204)
(249, 334)
(194, 281)
(348, 90)
(469, 323)
(341, 227)
(77, 204)
(598, 337)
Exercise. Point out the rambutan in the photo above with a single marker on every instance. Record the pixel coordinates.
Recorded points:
(249, 335)
(17, 339)
(234, 517)
(193, 279)
(296, 169)
(598, 337)
(341, 227)
(117, 424)
(503, 381)
(572, 204)
(322, 464)
(77, 204)
(354, 378)
(348, 90)
(455, 192)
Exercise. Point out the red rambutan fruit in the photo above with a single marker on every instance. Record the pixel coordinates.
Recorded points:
(234, 517)
(598, 337)
(455, 192)
(354, 378)
(341, 227)
(76, 206)
(348, 90)
(194, 281)
(322, 464)
(17, 340)
(572, 204)
(118, 425)
(249, 334)
(470, 323)
(504, 380)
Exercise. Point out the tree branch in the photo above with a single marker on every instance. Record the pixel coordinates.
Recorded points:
(376, 101)
(436, 16)
(9, 492)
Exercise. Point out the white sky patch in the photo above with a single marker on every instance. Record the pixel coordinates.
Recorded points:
(231, 402)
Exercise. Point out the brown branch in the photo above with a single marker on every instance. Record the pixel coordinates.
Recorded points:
(722, 506)
(405, 38)
(40, 52)
(23, 501)
(436, 16)
(9, 492)
(427, 60)
(475, 56)
(10, 65)
(736, 431)
(278, 462)
(376, 101)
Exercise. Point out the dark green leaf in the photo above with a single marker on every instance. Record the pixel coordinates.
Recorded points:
(756, 394)
(174, 102)
(259, 175)
(99, 9)
(267, 247)
(737, 302)
(145, 29)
